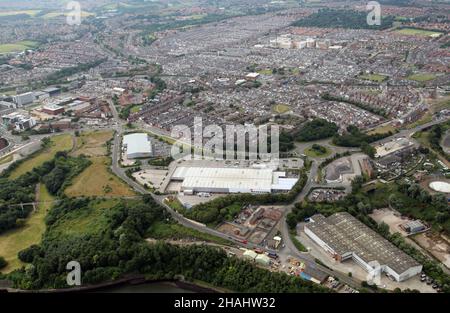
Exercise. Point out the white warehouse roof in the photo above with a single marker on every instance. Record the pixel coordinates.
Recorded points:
(137, 145)
(230, 179)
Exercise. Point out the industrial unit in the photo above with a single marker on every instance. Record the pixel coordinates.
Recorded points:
(137, 145)
(52, 109)
(344, 237)
(231, 180)
(413, 227)
(24, 99)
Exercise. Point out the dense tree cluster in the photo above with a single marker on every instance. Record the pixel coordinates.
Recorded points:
(315, 130)
(333, 18)
(418, 203)
(3, 262)
(353, 137)
(120, 249)
(319, 149)
(161, 161)
(57, 77)
(12, 193)
(435, 137)
(55, 174)
(64, 168)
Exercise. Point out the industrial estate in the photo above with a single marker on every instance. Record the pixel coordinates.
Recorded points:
(356, 199)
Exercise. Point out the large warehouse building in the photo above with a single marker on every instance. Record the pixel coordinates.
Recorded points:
(232, 180)
(137, 145)
(344, 237)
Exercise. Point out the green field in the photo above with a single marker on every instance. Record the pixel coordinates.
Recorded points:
(417, 32)
(57, 14)
(266, 71)
(163, 138)
(374, 77)
(297, 244)
(98, 180)
(426, 118)
(315, 153)
(17, 46)
(174, 204)
(382, 130)
(58, 143)
(6, 159)
(422, 77)
(281, 108)
(161, 230)
(15, 240)
(84, 221)
(92, 143)
(135, 108)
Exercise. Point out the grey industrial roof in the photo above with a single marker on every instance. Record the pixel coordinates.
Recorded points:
(345, 234)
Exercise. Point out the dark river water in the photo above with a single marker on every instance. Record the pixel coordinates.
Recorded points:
(159, 287)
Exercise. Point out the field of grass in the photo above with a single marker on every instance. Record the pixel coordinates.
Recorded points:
(382, 130)
(28, 12)
(56, 14)
(440, 104)
(297, 243)
(92, 143)
(435, 106)
(422, 138)
(98, 180)
(9, 92)
(417, 32)
(85, 221)
(175, 204)
(161, 230)
(197, 16)
(13, 241)
(6, 159)
(423, 120)
(165, 139)
(266, 71)
(374, 77)
(135, 108)
(422, 77)
(314, 153)
(281, 108)
(17, 46)
(58, 143)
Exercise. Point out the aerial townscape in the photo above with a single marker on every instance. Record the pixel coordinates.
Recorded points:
(114, 173)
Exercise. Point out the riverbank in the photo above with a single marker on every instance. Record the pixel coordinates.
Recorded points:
(128, 284)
